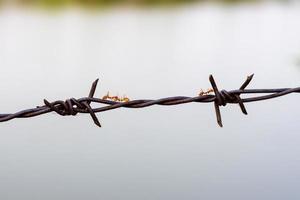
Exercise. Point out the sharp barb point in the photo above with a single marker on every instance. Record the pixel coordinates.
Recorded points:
(218, 114)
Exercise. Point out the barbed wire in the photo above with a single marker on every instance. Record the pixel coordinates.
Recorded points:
(74, 106)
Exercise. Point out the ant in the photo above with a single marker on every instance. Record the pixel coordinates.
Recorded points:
(115, 98)
(208, 91)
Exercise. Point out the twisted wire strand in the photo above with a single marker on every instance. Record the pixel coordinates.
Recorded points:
(72, 106)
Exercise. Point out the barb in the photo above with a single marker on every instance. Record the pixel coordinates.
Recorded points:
(72, 106)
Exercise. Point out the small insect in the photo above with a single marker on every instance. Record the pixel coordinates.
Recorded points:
(116, 98)
(203, 93)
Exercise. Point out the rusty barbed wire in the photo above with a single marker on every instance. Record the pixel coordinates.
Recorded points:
(74, 106)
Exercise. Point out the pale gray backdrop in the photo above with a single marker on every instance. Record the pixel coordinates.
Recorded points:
(158, 152)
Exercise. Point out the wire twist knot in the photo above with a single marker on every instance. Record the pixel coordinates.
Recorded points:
(73, 106)
(223, 97)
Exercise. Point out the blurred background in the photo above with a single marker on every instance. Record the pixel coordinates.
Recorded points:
(55, 49)
(123, 2)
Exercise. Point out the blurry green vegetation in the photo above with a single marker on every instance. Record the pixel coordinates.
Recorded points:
(101, 3)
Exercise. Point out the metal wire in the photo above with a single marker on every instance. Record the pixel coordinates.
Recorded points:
(74, 106)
